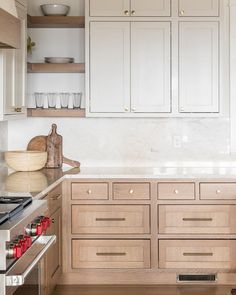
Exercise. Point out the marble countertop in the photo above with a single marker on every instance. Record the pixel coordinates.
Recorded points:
(41, 182)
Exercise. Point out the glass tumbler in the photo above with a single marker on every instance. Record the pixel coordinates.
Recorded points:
(64, 98)
(77, 99)
(52, 99)
(39, 99)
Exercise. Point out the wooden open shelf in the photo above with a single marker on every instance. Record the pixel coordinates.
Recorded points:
(56, 68)
(78, 113)
(56, 21)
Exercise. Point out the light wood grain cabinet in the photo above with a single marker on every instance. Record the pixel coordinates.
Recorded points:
(197, 219)
(199, 50)
(200, 254)
(110, 254)
(126, 8)
(110, 219)
(131, 191)
(176, 191)
(89, 191)
(198, 8)
(218, 191)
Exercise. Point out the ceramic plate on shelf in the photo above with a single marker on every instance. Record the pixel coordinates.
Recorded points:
(59, 60)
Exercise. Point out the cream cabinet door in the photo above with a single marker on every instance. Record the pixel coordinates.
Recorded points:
(109, 7)
(109, 67)
(150, 7)
(198, 7)
(150, 67)
(199, 67)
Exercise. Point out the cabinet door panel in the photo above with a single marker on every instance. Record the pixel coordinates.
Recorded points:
(199, 7)
(199, 67)
(150, 7)
(109, 7)
(110, 67)
(150, 62)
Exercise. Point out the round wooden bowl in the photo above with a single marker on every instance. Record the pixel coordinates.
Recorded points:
(26, 160)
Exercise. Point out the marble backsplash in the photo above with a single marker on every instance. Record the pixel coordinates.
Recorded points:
(3, 139)
(132, 142)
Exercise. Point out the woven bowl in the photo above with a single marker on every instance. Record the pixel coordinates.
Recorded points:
(26, 160)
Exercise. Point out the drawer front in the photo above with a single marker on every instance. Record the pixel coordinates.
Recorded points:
(131, 191)
(197, 219)
(218, 191)
(110, 254)
(176, 191)
(54, 199)
(89, 191)
(108, 219)
(213, 254)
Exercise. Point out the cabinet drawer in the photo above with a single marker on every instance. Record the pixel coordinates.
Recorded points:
(176, 191)
(89, 191)
(218, 191)
(214, 254)
(108, 219)
(197, 219)
(54, 199)
(131, 191)
(110, 254)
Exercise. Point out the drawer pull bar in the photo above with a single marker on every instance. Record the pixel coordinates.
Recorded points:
(197, 219)
(197, 254)
(110, 219)
(56, 198)
(111, 254)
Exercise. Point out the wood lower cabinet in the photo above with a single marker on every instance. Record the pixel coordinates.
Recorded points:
(149, 231)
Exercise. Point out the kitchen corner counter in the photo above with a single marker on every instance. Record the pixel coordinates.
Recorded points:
(39, 183)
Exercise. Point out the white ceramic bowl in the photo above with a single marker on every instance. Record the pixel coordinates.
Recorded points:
(55, 9)
(26, 160)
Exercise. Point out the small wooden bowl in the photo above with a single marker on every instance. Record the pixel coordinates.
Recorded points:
(26, 160)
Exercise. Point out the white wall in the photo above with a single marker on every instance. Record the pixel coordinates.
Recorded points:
(3, 139)
(119, 142)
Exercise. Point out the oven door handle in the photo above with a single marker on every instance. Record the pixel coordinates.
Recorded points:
(15, 279)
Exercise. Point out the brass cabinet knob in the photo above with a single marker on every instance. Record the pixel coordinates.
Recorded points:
(89, 192)
(133, 109)
(176, 191)
(126, 109)
(133, 12)
(131, 191)
(18, 110)
(218, 192)
(182, 12)
(126, 12)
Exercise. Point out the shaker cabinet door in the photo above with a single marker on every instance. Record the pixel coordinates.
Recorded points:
(199, 67)
(150, 8)
(109, 67)
(199, 7)
(109, 7)
(150, 67)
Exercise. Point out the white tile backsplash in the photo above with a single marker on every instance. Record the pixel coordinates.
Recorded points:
(132, 142)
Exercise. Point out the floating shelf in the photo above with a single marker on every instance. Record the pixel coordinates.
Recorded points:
(56, 68)
(56, 21)
(78, 113)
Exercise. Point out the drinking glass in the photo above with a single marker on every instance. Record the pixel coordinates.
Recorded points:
(39, 99)
(77, 99)
(64, 97)
(52, 98)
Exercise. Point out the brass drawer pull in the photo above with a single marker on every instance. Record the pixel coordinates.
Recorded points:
(18, 110)
(56, 198)
(197, 219)
(111, 254)
(197, 254)
(110, 219)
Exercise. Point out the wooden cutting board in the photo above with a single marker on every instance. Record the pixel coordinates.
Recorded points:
(39, 143)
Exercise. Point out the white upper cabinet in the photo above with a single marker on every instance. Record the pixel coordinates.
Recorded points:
(110, 67)
(198, 7)
(109, 7)
(150, 67)
(130, 8)
(150, 7)
(199, 67)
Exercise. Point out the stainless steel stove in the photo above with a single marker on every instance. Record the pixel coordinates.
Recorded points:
(23, 244)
